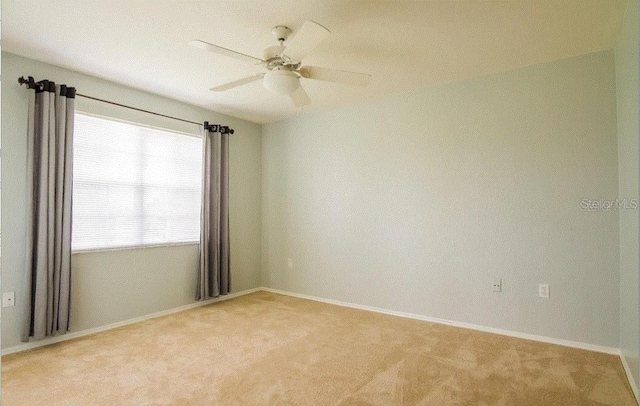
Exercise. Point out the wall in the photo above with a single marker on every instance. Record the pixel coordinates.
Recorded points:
(626, 59)
(416, 202)
(114, 286)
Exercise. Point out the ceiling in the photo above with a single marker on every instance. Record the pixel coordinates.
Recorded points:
(402, 44)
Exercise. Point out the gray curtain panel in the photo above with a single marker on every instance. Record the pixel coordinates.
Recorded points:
(214, 279)
(50, 169)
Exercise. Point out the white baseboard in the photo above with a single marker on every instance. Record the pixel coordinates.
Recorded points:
(510, 333)
(82, 333)
(544, 339)
(632, 381)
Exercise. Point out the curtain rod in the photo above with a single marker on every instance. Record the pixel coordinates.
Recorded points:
(30, 82)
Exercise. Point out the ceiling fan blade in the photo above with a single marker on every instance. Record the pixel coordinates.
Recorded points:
(237, 83)
(224, 51)
(334, 75)
(300, 97)
(310, 35)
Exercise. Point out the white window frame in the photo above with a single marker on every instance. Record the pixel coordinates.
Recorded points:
(136, 246)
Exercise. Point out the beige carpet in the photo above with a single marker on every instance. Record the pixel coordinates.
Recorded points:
(266, 349)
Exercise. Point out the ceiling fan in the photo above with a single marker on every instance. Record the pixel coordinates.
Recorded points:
(284, 63)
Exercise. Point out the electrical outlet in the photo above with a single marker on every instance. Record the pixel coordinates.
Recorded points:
(8, 299)
(497, 285)
(289, 263)
(543, 290)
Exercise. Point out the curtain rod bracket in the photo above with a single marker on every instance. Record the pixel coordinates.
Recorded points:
(218, 127)
(30, 82)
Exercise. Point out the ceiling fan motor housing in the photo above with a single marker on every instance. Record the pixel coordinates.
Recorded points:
(272, 54)
(281, 81)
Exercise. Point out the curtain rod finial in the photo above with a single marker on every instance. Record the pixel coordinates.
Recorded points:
(29, 82)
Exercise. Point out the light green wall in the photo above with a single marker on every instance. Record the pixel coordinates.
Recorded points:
(113, 286)
(626, 59)
(417, 202)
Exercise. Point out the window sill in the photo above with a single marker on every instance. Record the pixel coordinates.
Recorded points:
(132, 247)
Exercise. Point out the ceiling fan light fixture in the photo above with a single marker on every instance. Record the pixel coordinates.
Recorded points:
(281, 81)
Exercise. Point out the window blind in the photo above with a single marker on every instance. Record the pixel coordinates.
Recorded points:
(133, 185)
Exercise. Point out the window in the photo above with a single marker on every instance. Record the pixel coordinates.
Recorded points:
(133, 185)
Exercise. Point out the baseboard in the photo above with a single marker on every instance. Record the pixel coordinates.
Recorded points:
(510, 333)
(78, 334)
(632, 381)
